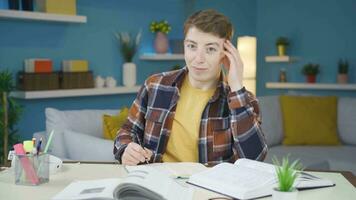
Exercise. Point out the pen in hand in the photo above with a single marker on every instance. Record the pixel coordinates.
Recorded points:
(140, 143)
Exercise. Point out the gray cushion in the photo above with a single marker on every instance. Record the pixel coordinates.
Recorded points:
(271, 119)
(346, 120)
(88, 148)
(83, 121)
(318, 157)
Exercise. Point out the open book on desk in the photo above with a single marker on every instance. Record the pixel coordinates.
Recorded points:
(144, 183)
(247, 179)
(181, 170)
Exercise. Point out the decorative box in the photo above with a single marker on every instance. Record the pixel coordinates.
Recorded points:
(37, 81)
(72, 80)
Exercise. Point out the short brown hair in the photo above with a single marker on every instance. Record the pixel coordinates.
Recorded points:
(210, 21)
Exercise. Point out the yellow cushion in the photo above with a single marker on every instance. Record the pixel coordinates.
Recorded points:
(111, 124)
(309, 120)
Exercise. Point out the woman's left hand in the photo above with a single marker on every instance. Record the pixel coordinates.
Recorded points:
(233, 65)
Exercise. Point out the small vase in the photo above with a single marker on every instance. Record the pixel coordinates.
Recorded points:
(110, 82)
(129, 74)
(282, 76)
(280, 195)
(281, 50)
(161, 43)
(99, 82)
(342, 78)
(311, 78)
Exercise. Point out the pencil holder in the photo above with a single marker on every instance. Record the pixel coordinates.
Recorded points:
(31, 169)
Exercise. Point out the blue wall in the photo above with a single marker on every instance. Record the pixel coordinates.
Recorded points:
(241, 13)
(95, 42)
(321, 31)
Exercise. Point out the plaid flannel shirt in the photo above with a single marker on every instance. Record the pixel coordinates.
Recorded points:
(229, 127)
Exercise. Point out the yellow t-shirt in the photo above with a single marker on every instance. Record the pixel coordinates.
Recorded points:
(183, 141)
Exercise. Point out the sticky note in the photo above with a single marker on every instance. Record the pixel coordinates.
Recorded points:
(28, 145)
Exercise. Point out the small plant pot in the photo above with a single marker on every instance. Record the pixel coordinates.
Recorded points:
(311, 78)
(342, 78)
(161, 43)
(281, 50)
(280, 195)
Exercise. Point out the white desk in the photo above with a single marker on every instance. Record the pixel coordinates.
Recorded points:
(70, 172)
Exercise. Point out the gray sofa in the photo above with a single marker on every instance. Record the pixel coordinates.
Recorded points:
(340, 157)
(78, 136)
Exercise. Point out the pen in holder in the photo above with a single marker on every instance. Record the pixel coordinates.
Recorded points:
(31, 169)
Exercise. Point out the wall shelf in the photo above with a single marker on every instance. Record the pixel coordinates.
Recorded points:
(157, 57)
(73, 92)
(280, 59)
(40, 16)
(310, 86)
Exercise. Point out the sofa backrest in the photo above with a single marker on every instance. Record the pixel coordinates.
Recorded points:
(82, 121)
(271, 119)
(272, 124)
(346, 120)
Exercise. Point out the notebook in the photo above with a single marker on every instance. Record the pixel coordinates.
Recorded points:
(248, 179)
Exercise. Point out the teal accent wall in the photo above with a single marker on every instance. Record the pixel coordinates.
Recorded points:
(320, 31)
(95, 42)
(241, 13)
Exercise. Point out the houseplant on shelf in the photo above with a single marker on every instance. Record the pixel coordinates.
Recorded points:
(282, 44)
(161, 28)
(310, 70)
(286, 172)
(10, 113)
(343, 67)
(128, 48)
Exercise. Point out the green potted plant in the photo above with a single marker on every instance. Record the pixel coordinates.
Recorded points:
(10, 113)
(282, 43)
(176, 67)
(128, 44)
(286, 172)
(161, 29)
(343, 68)
(310, 70)
(128, 48)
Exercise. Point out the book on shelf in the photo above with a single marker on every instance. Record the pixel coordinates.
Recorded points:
(38, 65)
(249, 179)
(75, 66)
(141, 183)
(66, 7)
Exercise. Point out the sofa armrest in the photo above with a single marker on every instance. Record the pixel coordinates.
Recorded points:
(40, 134)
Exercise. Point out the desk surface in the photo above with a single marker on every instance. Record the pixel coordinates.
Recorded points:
(76, 171)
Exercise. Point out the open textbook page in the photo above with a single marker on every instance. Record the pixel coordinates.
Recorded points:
(89, 189)
(144, 183)
(247, 179)
(174, 169)
(151, 179)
